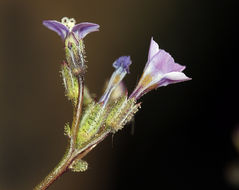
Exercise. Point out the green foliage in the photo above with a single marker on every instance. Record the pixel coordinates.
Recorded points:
(67, 130)
(79, 166)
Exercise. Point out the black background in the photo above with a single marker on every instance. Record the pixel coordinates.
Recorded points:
(183, 133)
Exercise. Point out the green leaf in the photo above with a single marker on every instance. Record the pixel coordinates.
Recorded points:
(67, 130)
(79, 166)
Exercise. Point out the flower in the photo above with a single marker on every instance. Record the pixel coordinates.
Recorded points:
(67, 26)
(121, 66)
(72, 34)
(160, 70)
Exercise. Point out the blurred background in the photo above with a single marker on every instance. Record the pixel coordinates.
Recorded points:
(185, 135)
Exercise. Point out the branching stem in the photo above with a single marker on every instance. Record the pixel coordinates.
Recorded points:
(72, 153)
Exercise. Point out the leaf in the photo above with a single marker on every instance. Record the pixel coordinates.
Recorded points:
(79, 166)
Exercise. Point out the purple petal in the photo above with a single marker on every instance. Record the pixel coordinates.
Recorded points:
(57, 27)
(172, 77)
(85, 28)
(177, 67)
(124, 62)
(160, 70)
(163, 63)
(153, 49)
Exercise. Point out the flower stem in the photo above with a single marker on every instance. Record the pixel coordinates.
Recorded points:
(56, 172)
(72, 152)
(63, 166)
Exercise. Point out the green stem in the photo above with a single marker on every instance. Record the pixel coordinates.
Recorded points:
(71, 153)
(68, 158)
(56, 172)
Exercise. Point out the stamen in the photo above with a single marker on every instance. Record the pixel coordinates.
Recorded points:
(65, 20)
(71, 23)
(68, 22)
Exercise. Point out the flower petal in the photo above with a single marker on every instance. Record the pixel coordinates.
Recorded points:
(124, 62)
(160, 70)
(85, 28)
(57, 27)
(153, 49)
(121, 66)
(173, 77)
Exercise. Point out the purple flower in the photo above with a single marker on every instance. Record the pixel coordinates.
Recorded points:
(160, 70)
(67, 26)
(123, 62)
(121, 66)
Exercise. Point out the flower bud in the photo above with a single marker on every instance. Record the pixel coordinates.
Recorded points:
(91, 122)
(121, 66)
(122, 112)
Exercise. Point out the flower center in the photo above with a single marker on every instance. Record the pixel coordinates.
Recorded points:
(68, 22)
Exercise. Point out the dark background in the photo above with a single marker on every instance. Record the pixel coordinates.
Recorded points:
(183, 133)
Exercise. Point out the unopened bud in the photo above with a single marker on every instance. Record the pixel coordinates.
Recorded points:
(123, 111)
(91, 122)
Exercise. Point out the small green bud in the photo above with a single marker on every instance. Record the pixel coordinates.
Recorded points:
(122, 112)
(70, 82)
(91, 122)
(79, 166)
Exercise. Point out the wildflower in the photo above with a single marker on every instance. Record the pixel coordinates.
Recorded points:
(122, 68)
(93, 121)
(68, 27)
(72, 34)
(160, 70)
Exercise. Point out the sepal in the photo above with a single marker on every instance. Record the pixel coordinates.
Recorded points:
(75, 54)
(70, 83)
(122, 112)
(87, 97)
(91, 122)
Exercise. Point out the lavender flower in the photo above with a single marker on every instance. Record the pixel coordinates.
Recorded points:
(93, 121)
(67, 26)
(160, 70)
(121, 66)
(72, 34)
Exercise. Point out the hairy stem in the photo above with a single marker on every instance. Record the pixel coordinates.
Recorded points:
(71, 153)
(62, 167)
(56, 172)
(68, 158)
